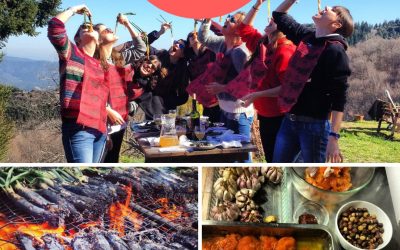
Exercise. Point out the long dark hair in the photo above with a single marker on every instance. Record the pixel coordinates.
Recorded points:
(148, 82)
(189, 52)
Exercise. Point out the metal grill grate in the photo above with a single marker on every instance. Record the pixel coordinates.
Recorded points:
(149, 226)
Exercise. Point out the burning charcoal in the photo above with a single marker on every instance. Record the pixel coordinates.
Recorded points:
(152, 235)
(51, 242)
(186, 241)
(175, 245)
(27, 242)
(153, 216)
(115, 241)
(100, 242)
(148, 245)
(82, 242)
(134, 245)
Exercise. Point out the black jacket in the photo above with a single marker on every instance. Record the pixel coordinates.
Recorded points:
(327, 89)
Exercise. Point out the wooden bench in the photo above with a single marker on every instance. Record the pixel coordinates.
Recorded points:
(390, 115)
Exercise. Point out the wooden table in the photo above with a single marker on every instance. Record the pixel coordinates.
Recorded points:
(216, 155)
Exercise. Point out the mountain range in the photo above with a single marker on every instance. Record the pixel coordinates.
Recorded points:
(28, 74)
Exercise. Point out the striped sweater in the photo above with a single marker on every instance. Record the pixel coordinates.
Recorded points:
(83, 90)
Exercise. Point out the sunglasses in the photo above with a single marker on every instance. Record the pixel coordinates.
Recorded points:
(181, 46)
(231, 18)
(107, 30)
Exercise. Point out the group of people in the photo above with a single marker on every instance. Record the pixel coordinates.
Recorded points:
(293, 76)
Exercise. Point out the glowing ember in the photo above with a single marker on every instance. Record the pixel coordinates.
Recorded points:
(169, 212)
(8, 230)
(119, 213)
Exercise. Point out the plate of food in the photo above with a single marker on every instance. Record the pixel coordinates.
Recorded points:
(202, 145)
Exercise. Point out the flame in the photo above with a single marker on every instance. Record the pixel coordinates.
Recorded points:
(169, 212)
(119, 212)
(8, 230)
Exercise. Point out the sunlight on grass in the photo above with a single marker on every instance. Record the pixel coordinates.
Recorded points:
(129, 159)
(361, 143)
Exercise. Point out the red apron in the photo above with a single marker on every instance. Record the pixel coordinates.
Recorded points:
(118, 79)
(94, 96)
(215, 72)
(299, 70)
(250, 77)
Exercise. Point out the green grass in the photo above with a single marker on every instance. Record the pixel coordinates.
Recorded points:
(130, 159)
(361, 143)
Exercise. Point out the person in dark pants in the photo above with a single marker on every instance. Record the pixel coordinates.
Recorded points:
(117, 63)
(279, 50)
(315, 85)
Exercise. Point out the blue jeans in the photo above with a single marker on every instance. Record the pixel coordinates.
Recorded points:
(308, 138)
(82, 144)
(240, 124)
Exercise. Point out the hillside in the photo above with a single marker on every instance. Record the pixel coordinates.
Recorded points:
(27, 74)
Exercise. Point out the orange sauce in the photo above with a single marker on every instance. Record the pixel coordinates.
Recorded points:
(169, 140)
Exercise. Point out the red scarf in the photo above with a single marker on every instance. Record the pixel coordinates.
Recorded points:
(94, 96)
(249, 78)
(215, 72)
(299, 70)
(118, 79)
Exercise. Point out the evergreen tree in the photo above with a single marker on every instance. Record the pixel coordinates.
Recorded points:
(18, 17)
(6, 126)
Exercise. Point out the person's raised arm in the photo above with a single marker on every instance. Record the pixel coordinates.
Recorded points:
(288, 25)
(213, 42)
(79, 9)
(122, 19)
(154, 35)
(285, 6)
(246, 30)
(251, 15)
(56, 30)
(134, 50)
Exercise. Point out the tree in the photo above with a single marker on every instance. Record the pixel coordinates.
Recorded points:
(18, 17)
(6, 126)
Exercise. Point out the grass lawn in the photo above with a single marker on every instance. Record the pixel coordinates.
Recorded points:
(361, 143)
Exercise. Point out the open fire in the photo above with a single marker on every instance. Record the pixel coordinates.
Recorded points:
(169, 211)
(131, 220)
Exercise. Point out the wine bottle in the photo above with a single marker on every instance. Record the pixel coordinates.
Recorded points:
(194, 115)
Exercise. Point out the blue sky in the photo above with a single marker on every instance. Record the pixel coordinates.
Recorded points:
(105, 12)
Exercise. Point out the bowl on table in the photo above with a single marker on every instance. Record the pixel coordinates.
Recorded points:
(374, 210)
(360, 177)
(312, 208)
